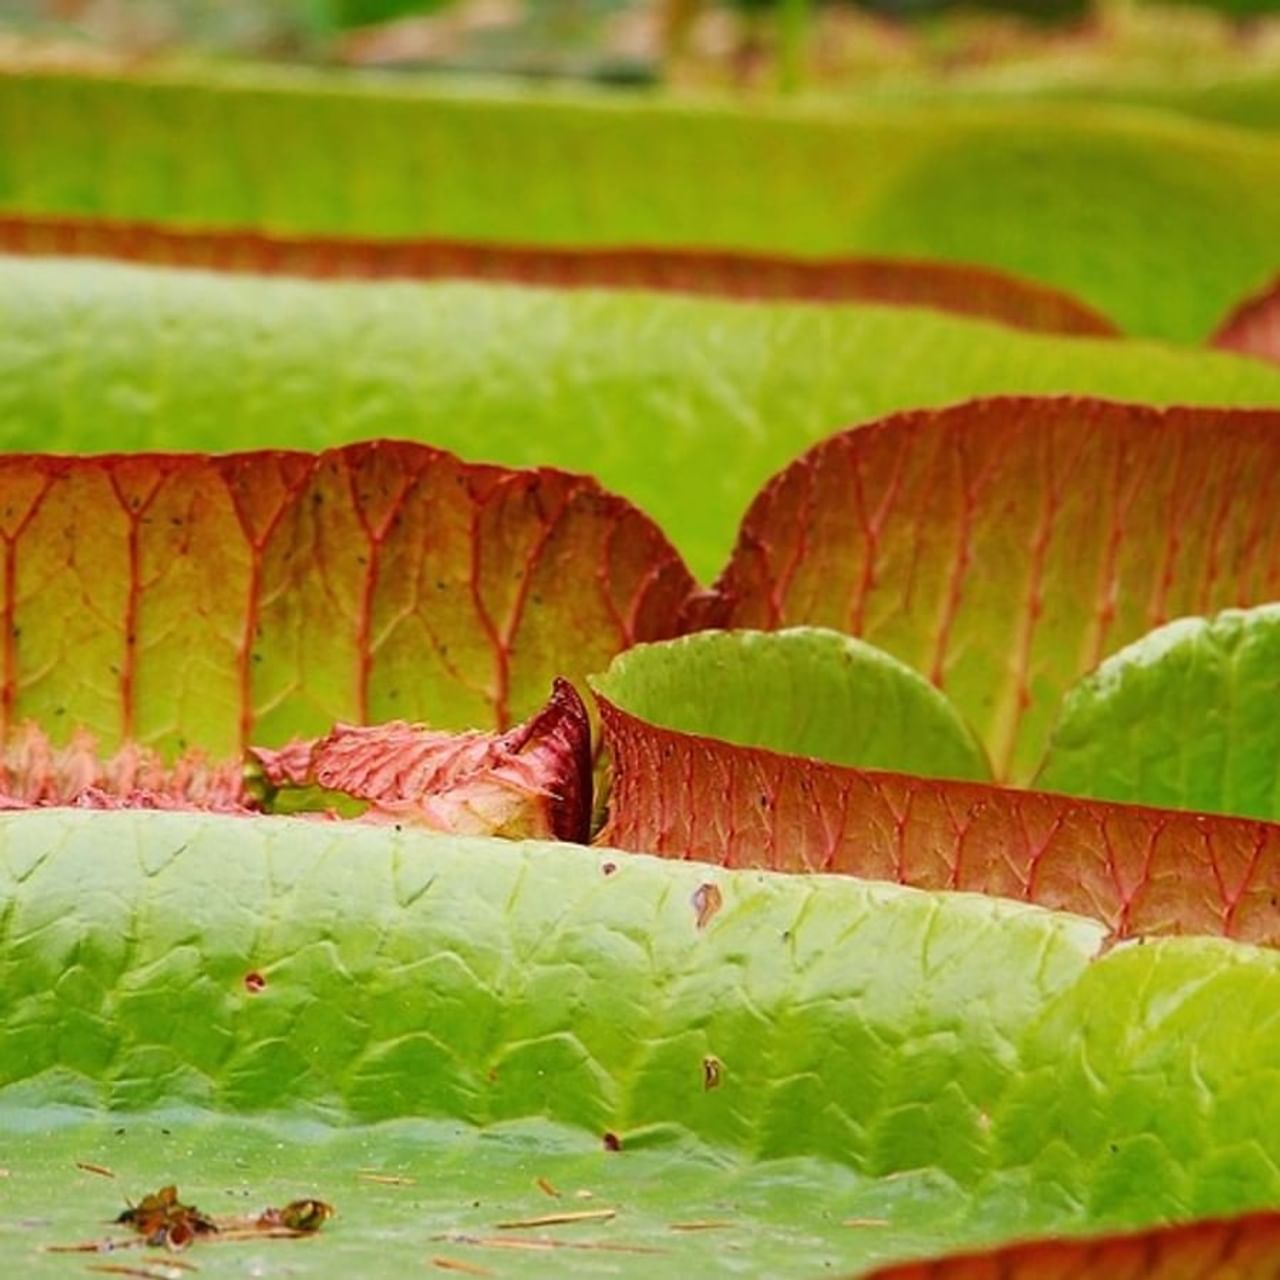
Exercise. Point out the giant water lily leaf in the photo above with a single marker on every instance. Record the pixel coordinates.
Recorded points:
(805, 691)
(110, 357)
(1184, 717)
(967, 290)
(184, 601)
(1253, 328)
(153, 962)
(1141, 871)
(1004, 548)
(1244, 1248)
(1160, 223)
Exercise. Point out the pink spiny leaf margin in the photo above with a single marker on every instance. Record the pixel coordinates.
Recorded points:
(533, 781)
(1140, 871)
(1244, 1248)
(173, 600)
(962, 289)
(1253, 328)
(1005, 546)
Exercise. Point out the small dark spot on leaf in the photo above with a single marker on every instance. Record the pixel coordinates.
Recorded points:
(611, 1141)
(254, 982)
(712, 1072)
(608, 867)
(707, 900)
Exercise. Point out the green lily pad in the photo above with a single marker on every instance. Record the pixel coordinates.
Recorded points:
(805, 691)
(1184, 718)
(1160, 222)
(97, 356)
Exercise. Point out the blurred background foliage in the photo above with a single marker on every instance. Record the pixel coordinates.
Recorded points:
(831, 47)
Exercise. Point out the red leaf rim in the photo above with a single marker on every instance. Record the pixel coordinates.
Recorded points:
(1140, 871)
(982, 292)
(141, 594)
(1253, 328)
(1243, 1248)
(1005, 546)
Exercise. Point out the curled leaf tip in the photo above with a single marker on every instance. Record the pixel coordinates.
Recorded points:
(533, 781)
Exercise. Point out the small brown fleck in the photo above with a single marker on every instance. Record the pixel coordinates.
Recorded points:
(707, 900)
(712, 1073)
(612, 1142)
(547, 1188)
(608, 867)
(254, 982)
(101, 1170)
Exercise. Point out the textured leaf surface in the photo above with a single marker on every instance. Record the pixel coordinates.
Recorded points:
(1140, 871)
(804, 691)
(1184, 718)
(1246, 1248)
(1005, 548)
(1253, 328)
(975, 291)
(1160, 223)
(959, 1038)
(183, 601)
(110, 357)
(423, 1198)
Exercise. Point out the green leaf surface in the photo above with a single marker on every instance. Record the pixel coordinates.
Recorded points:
(1004, 548)
(1160, 222)
(98, 356)
(680, 1207)
(970, 1064)
(1184, 718)
(804, 691)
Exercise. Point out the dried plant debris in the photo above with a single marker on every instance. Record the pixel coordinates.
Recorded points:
(161, 1220)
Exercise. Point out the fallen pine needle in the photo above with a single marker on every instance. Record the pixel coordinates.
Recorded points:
(386, 1179)
(456, 1264)
(558, 1219)
(865, 1222)
(544, 1185)
(707, 1225)
(140, 1273)
(543, 1244)
(100, 1169)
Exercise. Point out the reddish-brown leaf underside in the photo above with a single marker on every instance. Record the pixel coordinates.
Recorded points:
(966, 290)
(1245, 1248)
(1005, 546)
(188, 601)
(1140, 871)
(1253, 328)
